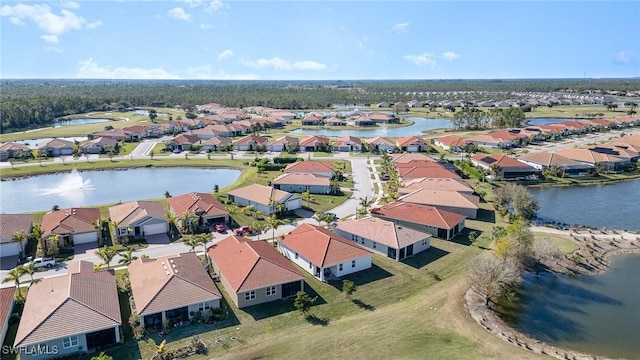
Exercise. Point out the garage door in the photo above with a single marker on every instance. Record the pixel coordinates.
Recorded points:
(155, 229)
(9, 249)
(85, 238)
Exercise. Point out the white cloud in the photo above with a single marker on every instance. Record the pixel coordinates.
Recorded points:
(207, 72)
(624, 57)
(50, 38)
(53, 49)
(211, 6)
(89, 69)
(450, 55)
(424, 59)
(69, 4)
(192, 3)
(225, 54)
(52, 24)
(214, 6)
(401, 28)
(178, 13)
(281, 64)
(206, 26)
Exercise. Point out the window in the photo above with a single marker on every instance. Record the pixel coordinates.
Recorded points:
(71, 341)
(271, 290)
(374, 244)
(122, 231)
(204, 306)
(353, 263)
(362, 241)
(250, 295)
(354, 238)
(425, 242)
(340, 267)
(296, 255)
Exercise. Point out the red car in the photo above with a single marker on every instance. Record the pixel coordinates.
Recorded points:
(243, 230)
(219, 228)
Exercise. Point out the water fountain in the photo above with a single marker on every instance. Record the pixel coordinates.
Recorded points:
(71, 184)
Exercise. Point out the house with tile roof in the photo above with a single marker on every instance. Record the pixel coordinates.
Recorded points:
(208, 210)
(323, 253)
(380, 144)
(183, 142)
(335, 121)
(314, 143)
(99, 145)
(441, 184)
(544, 160)
(12, 150)
(407, 157)
(461, 203)
(77, 312)
(70, 226)
(139, 218)
(608, 162)
(348, 144)
(311, 120)
(264, 198)
(487, 141)
(116, 134)
(7, 301)
(412, 144)
(283, 143)
(384, 237)
(249, 143)
(321, 168)
(55, 147)
(508, 168)
(173, 287)
(424, 169)
(299, 182)
(9, 225)
(253, 272)
(441, 223)
(451, 143)
(218, 143)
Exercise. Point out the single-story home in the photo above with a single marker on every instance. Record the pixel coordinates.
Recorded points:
(283, 143)
(11, 150)
(314, 143)
(335, 121)
(7, 300)
(173, 287)
(55, 147)
(299, 182)
(348, 144)
(321, 168)
(203, 205)
(508, 167)
(249, 143)
(264, 198)
(183, 142)
(440, 184)
(116, 134)
(606, 161)
(543, 160)
(99, 145)
(71, 226)
(412, 144)
(408, 157)
(139, 218)
(487, 141)
(384, 237)
(461, 203)
(440, 223)
(76, 312)
(381, 144)
(323, 253)
(253, 272)
(424, 169)
(10, 224)
(218, 143)
(451, 143)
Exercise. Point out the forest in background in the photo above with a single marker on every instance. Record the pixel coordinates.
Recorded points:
(26, 104)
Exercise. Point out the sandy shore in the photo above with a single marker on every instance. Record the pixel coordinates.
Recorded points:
(595, 250)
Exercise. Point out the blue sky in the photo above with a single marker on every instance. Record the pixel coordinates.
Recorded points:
(319, 40)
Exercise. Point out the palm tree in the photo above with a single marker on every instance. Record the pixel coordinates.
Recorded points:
(30, 269)
(191, 241)
(126, 256)
(273, 223)
(107, 254)
(307, 197)
(14, 275)
(19, 237)
(203, 239)
(366, 203)
(258, 227)
(187, 221)
(98, 226)
(36, 232)
(323, 218)
(171, 219)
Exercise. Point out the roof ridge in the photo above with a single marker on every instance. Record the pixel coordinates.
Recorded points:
(255, 262)
(95, 310)
(193, 283)
(155, 295)
(41, 322)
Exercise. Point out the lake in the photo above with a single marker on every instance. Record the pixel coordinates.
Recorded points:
(546, 121)
(420, 125)
(598, 314)
(611, 206)
(68, 122)
(33, 143)
(92, 188)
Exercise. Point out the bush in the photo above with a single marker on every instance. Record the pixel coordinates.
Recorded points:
(285, 160)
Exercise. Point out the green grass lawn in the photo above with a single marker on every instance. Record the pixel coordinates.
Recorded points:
(564, 243)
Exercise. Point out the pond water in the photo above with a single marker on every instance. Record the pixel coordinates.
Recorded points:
(597, 314)
(33, 143)
(146, 113)
(611, 206)
(68, 122)
(419, 126)
(546, 121)
(91, 188)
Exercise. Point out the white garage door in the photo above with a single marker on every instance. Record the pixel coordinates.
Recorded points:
(155, 229)
(85, 238)
(9, 249)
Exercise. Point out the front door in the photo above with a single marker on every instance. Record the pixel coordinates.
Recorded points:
(410, 250)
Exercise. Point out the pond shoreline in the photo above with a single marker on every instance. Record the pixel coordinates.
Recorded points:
(596, 249)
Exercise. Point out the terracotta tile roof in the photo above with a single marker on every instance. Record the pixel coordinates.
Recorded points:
(419, 214)
(347, 140)
(406, 157)
(12, 223)
(442, 184)
(260, 194)
(72, 220)
(442, 198)
(488, 139)
(6, 303)
(14, 146)
(197, 203)
(100, 141)
(55, 144)
(382, 231)
(79, 302)
(548, 159)
(313, 140)
(588, 156)
(380, 141)
(321, 246)
(133, 211)
(184, 139)
(217, 141)
(286, 140)
(112, 133)
(248, 265)
(170, 282)
(309, 166)
(410, 140)
(299, 178)
(432, 171)
(251, 139)
(208, 130)
(503, 161)
(450, 140)
(505, 135)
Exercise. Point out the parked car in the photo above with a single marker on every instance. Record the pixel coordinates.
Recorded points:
(243, 230)
(41, 262)
(385, 177)
(177, 151)
(219, 228)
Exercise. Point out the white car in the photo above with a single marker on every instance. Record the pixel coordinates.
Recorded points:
(42, 262)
